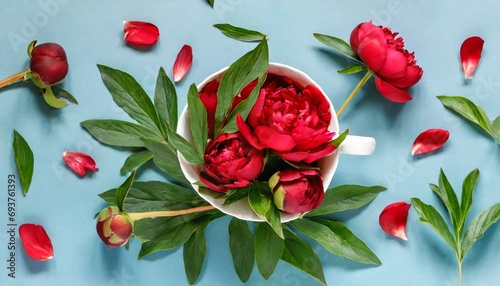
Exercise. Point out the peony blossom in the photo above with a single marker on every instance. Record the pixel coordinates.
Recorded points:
(385, 55)
(230, 163)
(114, 227)
(79, 162)
(36, 242)
(48, 64)
(297, 191)
(291, 120)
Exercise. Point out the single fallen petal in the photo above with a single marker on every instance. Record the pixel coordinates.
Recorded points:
(36, 242)
(470, 53)
(429, 140)
(183, 62)
(393, 218)
(140, 33)
(79, 162)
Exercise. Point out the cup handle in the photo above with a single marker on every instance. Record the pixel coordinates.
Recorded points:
(357, 145)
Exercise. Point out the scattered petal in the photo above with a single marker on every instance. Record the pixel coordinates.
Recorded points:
(140, 33)
(393, 218)
(429, 140)
(470, 53)
(183, 62)
(36, 242)
(79, 162)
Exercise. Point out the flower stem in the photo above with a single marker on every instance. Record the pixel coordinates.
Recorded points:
(137, 216)
(459, 273)
(13, 78)
(362, 82)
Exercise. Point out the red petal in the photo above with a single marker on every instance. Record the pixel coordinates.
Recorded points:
(429, 140)
(393, 218)
(470, 53)
(373, 49)
(412, 76)
(391, 92)
(140, 33)
(183, 62)
(36, 242)
(79, 162)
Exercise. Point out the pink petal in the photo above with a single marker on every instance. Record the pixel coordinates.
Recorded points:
(412, 76)
(140, 33)
(274, 140)
(470, 53)
(36, 242)
(79, 162)
(429, 140)
(183, 62)
(393, 218)
(373, 49)
(247, 133)
(395, 65)
(391, 92)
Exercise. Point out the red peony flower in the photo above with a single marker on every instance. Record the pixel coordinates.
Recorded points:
(385, 55)
(113, 227)
(231, 163)
(291, 120)
(297, 191)
(48, 64)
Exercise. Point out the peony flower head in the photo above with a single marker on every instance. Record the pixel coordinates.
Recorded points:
(48, 64)
(114, 227)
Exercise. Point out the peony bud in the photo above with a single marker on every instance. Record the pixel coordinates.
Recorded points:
(48, 64)
(297, 191)
(114, 227)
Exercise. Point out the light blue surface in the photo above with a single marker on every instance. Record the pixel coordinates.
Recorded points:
(91, 33)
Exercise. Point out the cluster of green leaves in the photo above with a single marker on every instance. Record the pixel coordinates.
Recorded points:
(345, 49)
(474, 113)
(459, 238)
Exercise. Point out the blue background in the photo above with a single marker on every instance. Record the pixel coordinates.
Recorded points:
(91, 33)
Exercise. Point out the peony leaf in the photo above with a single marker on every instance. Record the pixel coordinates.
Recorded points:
(268, 249)
(182, 62)
(165, 101)
(495, 127)
(337, 239)
(52, 100)
(352, 69)
(194, 253)
(301, 255)
(274, 219)
(136, 160)
(190, 153)
(198, 119)
(241, 244)
(36, 242)
(429, 140)
(259, 202)
(64, 94)
(466, 202)
(339, 45)
(339, 139)
(470, 53)
(140, 33)
(235, 195)
(253, 65)
(393, 219)
(428, 214)
(123, 189)
(166, 159)
(118, 133)
(211, 2)
(478, 226)
(445, 192)
(25, 161)
(346, 197)
(469, 111)
(240, 34)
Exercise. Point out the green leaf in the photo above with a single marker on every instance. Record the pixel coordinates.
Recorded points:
(130, 96)
(118, 133)
(346, 197)
(211, 2)
(478, 226)
(195, 251)
(136, 160)
(198, 118)
(352, 69)
(339, 139)
(241, 245)
(268, 249)
(469, 111)
(274, 219)
(301, 255)
(165, 101)
(166, 159)
(253, 65)
(122, 191)
(259, 200)
(337, 239)
(235, 195)
(467, 190)
(428, 214)
(339, 45)
(64, 94)
(240, 34)
(184, 147)
(25, 161)
(449, 198)
(51, 99)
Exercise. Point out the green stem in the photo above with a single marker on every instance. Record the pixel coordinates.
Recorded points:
(362, 82)
(459, 273)
(13, 78)
(137, 216)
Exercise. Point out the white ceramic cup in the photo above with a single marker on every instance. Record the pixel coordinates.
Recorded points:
(354, 145)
